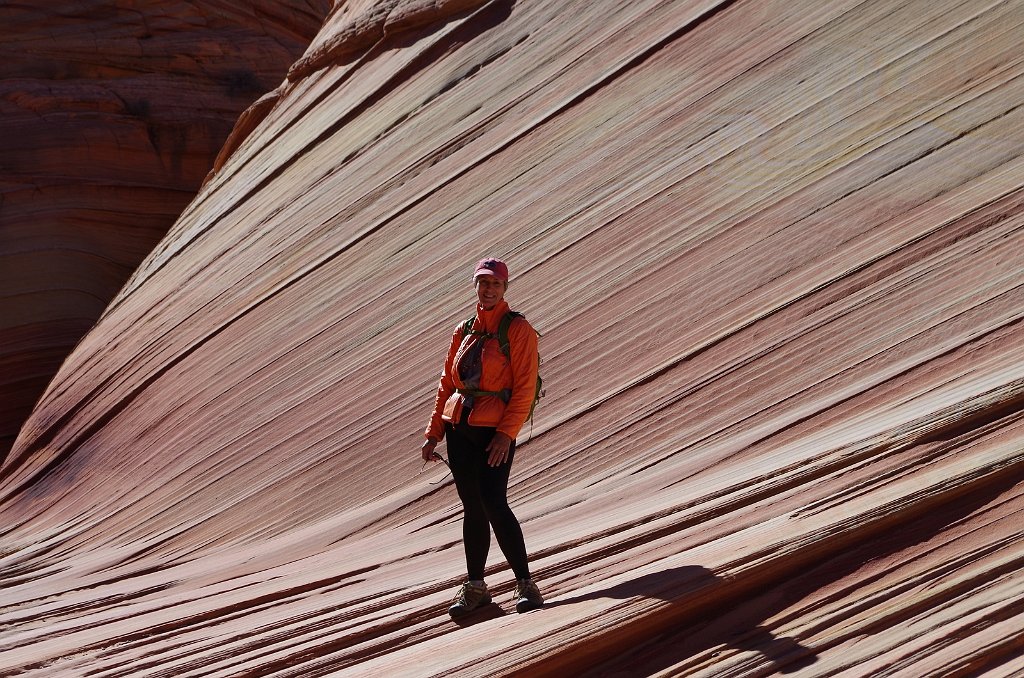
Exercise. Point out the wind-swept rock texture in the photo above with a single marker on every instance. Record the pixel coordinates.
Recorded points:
(775, 249)
(111, 114)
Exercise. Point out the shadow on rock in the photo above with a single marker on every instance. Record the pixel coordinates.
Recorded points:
(699, 589)
(485, 613)
(709, 612)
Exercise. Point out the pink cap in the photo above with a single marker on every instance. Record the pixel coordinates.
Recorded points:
(495, 267)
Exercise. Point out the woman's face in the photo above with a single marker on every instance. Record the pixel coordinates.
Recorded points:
(490, 290)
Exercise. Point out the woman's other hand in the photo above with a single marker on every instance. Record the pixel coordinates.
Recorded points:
(497, 450)
(427, 451)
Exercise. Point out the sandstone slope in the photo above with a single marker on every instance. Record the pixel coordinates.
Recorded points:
(775, 252)
(111, 114)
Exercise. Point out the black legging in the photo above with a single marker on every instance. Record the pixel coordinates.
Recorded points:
(483, 491)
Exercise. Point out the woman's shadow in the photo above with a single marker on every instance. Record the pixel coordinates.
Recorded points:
(694, 592)
(705, 611)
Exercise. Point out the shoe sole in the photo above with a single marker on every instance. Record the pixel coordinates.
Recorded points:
(525, 606)
(458, 613)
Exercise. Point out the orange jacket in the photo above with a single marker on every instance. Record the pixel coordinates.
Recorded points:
(519, 374)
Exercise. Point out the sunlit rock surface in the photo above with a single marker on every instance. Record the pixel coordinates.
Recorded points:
(110, 116)
(775, 252)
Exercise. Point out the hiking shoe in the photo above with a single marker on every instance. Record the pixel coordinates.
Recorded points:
(470, 597)
(527, 596)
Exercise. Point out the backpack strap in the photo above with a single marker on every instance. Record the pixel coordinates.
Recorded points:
(467, 327)
(503, 326)
(505, 394)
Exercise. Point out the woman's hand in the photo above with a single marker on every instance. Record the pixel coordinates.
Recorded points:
(497, 450)
(427, 451)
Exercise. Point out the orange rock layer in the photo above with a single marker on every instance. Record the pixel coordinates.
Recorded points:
(775, 252)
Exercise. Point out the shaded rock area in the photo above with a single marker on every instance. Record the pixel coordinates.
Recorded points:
(111, 114)
(776, 252)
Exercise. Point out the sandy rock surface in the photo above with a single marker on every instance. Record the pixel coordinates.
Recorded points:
(775, 250)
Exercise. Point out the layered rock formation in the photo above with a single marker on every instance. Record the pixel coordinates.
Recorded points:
(775, 252)
(112, 115)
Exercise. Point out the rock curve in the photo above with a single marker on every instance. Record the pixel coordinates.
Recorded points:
(347, 37)
(112, 115)
(775, 252)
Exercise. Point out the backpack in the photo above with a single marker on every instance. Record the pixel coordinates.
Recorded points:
(502, 337)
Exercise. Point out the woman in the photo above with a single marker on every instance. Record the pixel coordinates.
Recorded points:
(483, 399)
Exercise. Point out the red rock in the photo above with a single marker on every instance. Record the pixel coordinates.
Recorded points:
(111, 116)
(774, 250)
(353, 33)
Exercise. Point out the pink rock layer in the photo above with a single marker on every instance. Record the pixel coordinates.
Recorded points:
(776, 252)
(112, 116)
